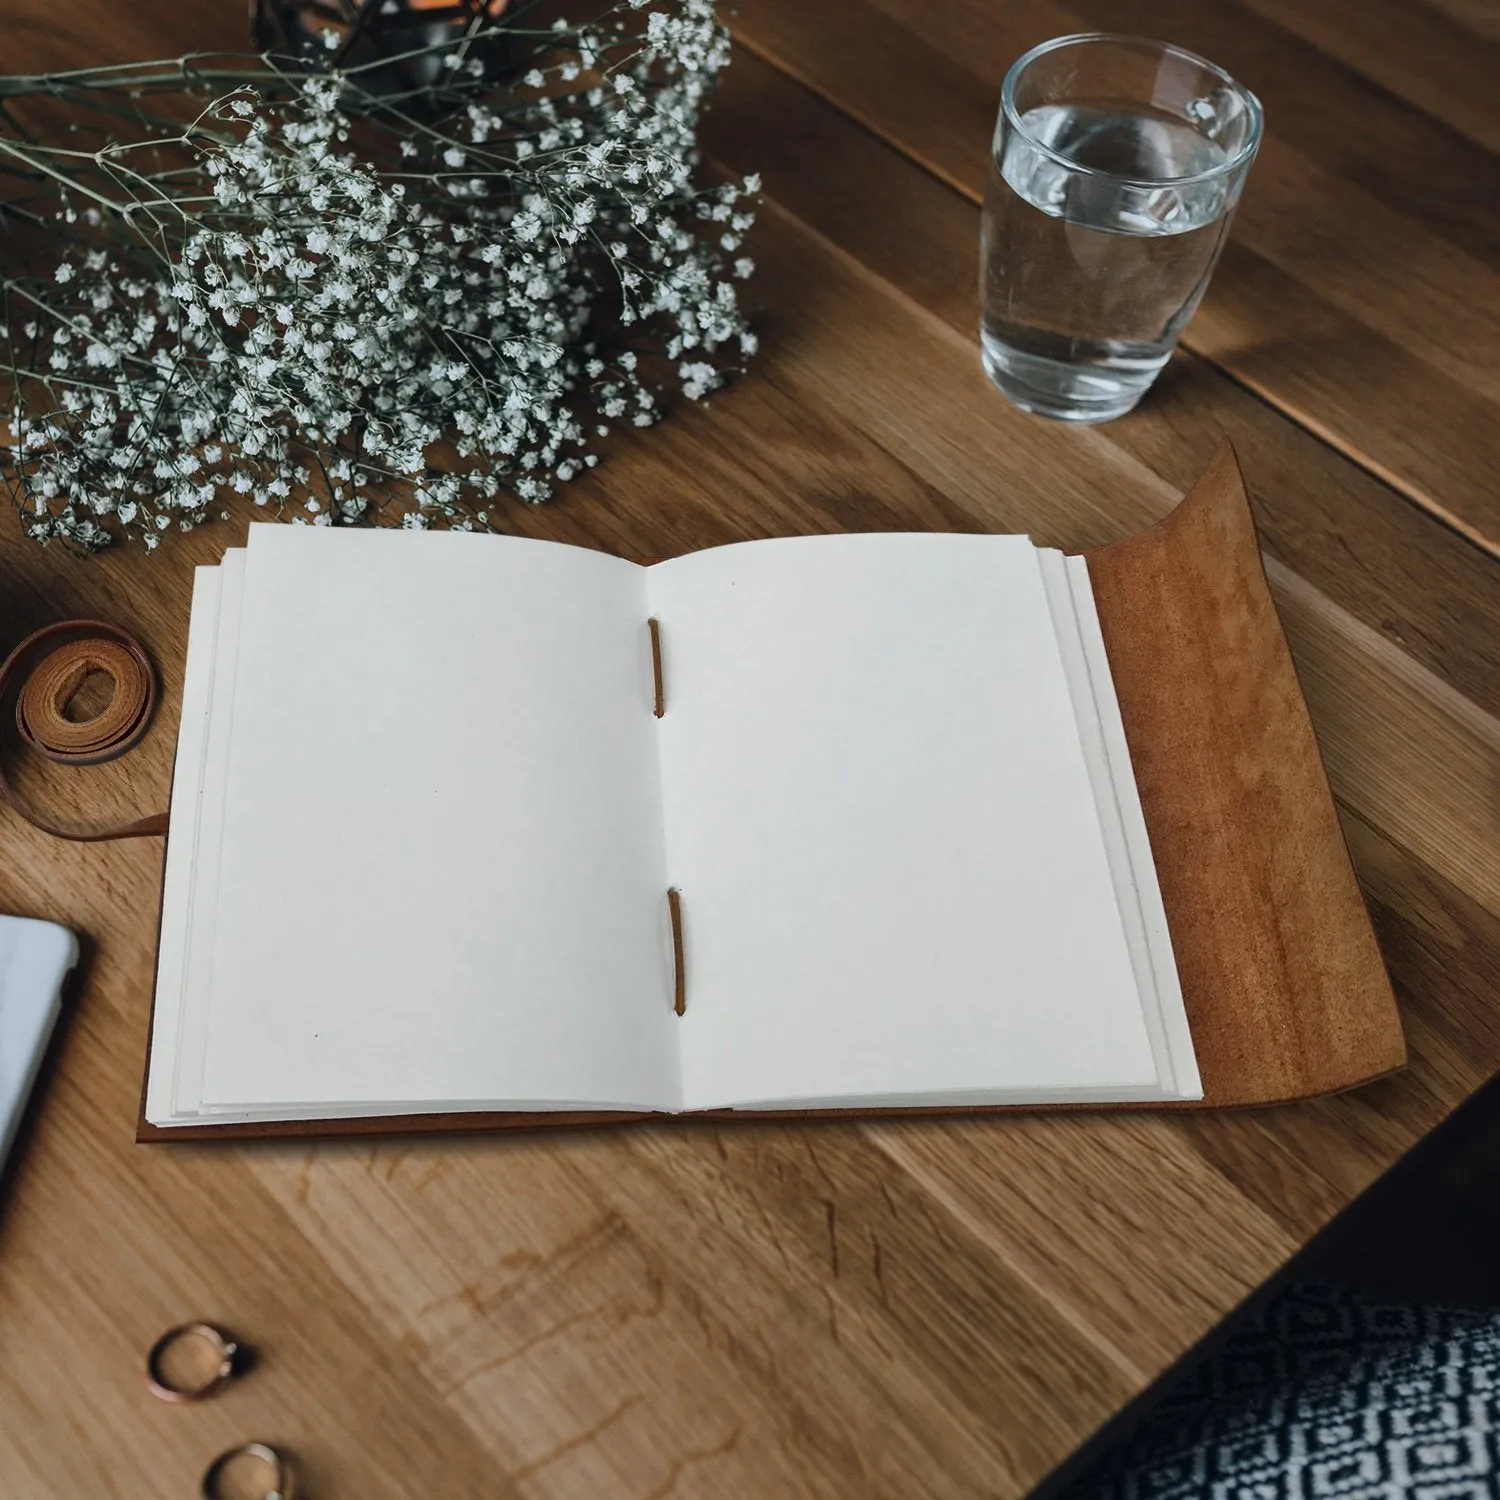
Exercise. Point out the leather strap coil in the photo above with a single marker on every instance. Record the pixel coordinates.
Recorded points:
(50, 666)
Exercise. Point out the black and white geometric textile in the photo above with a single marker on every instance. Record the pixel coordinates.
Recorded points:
(1329, 1394)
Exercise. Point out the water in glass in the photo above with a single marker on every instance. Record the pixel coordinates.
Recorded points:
(1102, 224)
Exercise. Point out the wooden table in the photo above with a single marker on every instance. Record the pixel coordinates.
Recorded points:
(893, 1310)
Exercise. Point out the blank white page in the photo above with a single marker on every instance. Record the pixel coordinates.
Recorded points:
(1122, 820)
(201, 823)
(178, 879)
(441, 871)
(894, 883)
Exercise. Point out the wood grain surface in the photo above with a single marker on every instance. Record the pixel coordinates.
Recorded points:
(941, 1309)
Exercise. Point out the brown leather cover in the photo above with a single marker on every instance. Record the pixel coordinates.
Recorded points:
(1286, 993)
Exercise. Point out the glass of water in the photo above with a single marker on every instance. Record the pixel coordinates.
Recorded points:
(1117, 165)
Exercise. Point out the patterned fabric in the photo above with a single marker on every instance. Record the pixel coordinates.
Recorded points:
(1328, 1395)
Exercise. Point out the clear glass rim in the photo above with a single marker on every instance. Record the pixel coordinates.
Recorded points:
(1140, 43)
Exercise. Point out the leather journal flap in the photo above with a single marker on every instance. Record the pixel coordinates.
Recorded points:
(1286, 992)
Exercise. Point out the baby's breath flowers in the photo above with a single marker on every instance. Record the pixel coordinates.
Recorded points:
(322, 296)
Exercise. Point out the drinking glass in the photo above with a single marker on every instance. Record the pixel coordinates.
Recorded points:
(1116, 167)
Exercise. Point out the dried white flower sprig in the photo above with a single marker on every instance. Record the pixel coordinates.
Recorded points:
(321, 294)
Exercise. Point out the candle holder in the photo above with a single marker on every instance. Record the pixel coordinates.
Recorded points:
(369, 31)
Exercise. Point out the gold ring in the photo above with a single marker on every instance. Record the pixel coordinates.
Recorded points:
(223, 1347)
(281, 1471)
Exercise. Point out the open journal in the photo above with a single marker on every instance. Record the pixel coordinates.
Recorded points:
(433, 791)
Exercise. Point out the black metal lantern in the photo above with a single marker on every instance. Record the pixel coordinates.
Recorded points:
(368, 31)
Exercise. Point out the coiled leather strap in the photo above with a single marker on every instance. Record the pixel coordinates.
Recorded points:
(50, 666)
